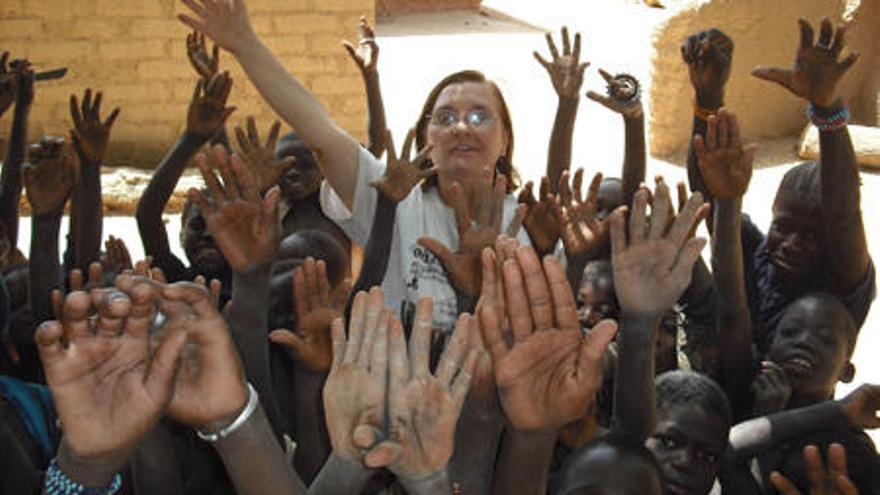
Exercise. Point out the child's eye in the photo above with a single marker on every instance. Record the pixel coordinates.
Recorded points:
(668, 443)
(708, 457)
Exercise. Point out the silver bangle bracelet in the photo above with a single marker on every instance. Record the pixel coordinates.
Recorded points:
(247, 412)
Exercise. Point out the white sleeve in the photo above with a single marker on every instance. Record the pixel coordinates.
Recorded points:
(357, 222)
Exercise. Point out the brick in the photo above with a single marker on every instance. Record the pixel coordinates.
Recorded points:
(21, 28)
(131, 50)
(326, 44)
(11, 8)
(143, 8)
(263, 24)
(141, 92)
(167, 27)
(307, 24)
(53, 9)
(277, 6)
(164, 70)
(334, 85)
(311, 65)
(339, 6)
(55, 51)
(287, 45)
(96, 28)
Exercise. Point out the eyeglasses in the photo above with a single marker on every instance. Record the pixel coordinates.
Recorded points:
(447, 117)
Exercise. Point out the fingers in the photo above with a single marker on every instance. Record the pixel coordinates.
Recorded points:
(564, 306)
(516, 301)
(815, 470)
(291, 341)
(420, 339)
(825, 33)
(398, 364)
(693, 212)
(463, 380)
(407, 144)
(593, 347)
(566, 44)
(526, 195)
(75, 314)
(113, 307)
(660, 210)
(49, 337)
(637, 219)
(459, 207)
(162, 371)
(490, 329)
(438, 249)
(839, 41)
(379, 353)
(337, 336)
(782, 485)
(836, 461)
(355, 327)
(537, 291)
(516, 222)
(552, 46)
(779, 75)
(372, 320)
(454, 354)
(577, 183)
(618, 231)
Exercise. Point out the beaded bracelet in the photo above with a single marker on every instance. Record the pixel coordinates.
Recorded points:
(249, 408)
(833, 122)
(57, 483)
(703, 113)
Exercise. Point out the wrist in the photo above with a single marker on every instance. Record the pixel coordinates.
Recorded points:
(640, 318)
(436, 482)
(227, 424)
(89, 472)
(710, 100)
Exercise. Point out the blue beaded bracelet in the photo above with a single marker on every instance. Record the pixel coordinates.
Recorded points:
(835, 121)
(57, 483)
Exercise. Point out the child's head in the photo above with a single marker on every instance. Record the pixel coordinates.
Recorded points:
(813, 343)
(693, 422)
(795, 241)
(199, 246)
(612, 464)
(303, 179)
(610, 196)
(595, 298)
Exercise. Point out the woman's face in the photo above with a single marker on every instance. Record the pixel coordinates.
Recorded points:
(466, 130)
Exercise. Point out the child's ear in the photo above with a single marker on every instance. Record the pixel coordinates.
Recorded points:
(848, 373)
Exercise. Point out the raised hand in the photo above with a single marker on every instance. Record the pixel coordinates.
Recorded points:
(107, 387)
(366, 54)
(423, 408)
(623, 98)
(206, 66)
(566, 71)
(653, 268)
(463, 266)
(833, 481)
(210, 388)
(207, 110)
(542, 226)
(315, 311)
(725, 163)
(78, 281)
(402, 174)
(260, 158)
(116, 257)
(583, 234)
(245, 226)
(771, 390)
(90, 135)
(861, 405)
(354, 394)
(49, 175)
(227, 22)
(816, 71)
(548, 377)
(7, 84)
(708, 55)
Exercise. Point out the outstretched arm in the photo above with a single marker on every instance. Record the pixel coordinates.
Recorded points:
(650, 273)
(708, 55)
(10, 179)
(366, 57)
(567, 74)
(726, 167)
(207, 112)
(624, 97)
(815, 77)
(228, 24)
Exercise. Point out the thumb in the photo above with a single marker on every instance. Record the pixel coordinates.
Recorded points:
(163, 368)
(778, 75)
(595, 343)
(438, 249)
(383, 455)
(289, 340)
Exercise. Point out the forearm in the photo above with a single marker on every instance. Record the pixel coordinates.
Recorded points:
(376, 123)
(221, 137)
(477, 438)
(45, 266)
(336, 150)
(255, 462)
(634, 156)
(435, 484)
(340, 476)
(841, 212)
(377, 252)
(312, 439)
(159, 190)
(90, 217)
(154, 465)
(248, 320)
(10, 178)
(755, 436)
(559, 152)
(709, 102)
(634, 405)
(734, 321)
(524, 462)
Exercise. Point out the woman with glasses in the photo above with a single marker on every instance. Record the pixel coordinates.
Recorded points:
(441, 227)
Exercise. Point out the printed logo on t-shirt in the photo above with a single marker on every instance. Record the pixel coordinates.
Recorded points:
(428, 278)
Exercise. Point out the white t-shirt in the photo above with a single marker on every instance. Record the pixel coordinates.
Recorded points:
(413, 271)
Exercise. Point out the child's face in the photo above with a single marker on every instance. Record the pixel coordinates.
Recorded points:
(301, 180)
(610, 197)
(604, 470)
(200, 248)
(812, 347)
(795, 241)
(595, 301)
(688, 443)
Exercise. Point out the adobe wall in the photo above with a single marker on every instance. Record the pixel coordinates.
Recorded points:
(391, 7)
(765, 32)
(135, 51)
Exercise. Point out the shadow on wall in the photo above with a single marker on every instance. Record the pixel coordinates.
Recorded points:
(765, 33)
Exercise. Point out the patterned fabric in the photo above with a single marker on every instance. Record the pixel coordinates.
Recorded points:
(57, 483)
(34, 406)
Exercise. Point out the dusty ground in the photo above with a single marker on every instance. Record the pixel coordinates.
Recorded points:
(418, 50)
